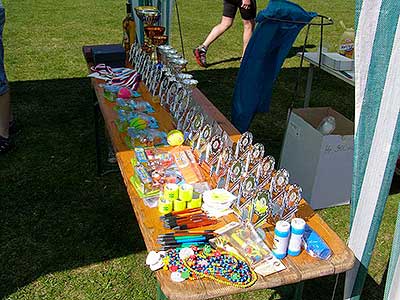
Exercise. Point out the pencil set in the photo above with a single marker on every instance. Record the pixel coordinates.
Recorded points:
(187, 219)
(182, 239)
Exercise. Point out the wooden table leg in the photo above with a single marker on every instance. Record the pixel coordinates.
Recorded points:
(96, 133)
(97, 115)
(308, 86)
(298, 291)
(160, 294)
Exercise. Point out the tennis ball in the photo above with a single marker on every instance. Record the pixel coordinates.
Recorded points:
(175, 138)
(124, 93)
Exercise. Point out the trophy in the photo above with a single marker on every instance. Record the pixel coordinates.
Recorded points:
(177, 100)
(265, 171)
(243, 145)
(256, 156)
(182, 76)
(149, 15)
(293, 197)
(172, 93)
(189, 84)
(155, 38)
(177, 64)
(202, 142)
(224, 161)
(213, 151)
(155, 80)
(160, 51)
(166, 55)
(185, 126)
(279, 182)
(234, 175)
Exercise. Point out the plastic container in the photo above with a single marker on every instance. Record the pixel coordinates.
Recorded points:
(346, 42)
(327, 125)
(281, 239)
(297, 230)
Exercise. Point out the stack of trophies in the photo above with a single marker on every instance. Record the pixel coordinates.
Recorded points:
(150, 16)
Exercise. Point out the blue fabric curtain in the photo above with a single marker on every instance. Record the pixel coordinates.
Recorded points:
(264, 56)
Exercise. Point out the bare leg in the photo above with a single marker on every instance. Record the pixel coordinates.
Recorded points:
(248, 27)
(5, 113)
(218, 30)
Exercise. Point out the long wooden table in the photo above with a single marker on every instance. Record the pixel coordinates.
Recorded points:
(298, 268)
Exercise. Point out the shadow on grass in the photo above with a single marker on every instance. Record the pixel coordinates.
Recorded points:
(224, 61)
(323, 288)
(294, 50)
(55, 214)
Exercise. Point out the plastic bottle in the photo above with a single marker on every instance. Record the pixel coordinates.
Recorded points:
(327, 125)
(281, 239)
(129, 28)
(297, 230)
(346, 42)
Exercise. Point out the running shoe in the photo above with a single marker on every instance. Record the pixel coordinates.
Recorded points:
(200, 54)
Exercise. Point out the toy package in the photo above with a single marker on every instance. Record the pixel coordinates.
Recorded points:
(145, 137)
(111, 92)
(153, 167)
(187, 164)
(134, 105)
(131, 117)
(134, 121)
(245, 240)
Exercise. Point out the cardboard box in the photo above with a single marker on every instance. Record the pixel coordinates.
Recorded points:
(337, 62)
(320, 164)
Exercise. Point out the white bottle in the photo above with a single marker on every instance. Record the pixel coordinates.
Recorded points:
(327, 125)
(295, 241)
(281, 239)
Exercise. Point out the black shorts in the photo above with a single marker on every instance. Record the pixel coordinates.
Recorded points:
(231, 6)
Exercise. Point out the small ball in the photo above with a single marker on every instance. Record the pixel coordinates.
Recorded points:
(124, 93)
(175, 138)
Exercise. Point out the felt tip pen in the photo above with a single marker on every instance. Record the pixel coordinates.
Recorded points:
(201, 239)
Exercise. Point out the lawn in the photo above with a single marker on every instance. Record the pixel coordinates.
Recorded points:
(67, 234)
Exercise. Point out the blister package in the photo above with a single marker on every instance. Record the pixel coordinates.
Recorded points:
(134, 105)
(245, 239)
(145, 137)
(110, 92)
(153, 168)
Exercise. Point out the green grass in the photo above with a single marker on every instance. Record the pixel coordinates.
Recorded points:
(67, 234)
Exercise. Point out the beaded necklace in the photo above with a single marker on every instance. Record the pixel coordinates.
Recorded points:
(223, 267)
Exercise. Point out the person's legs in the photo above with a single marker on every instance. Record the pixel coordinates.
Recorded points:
(248, 27)
(218, 30)
(248, 15)
(200, 52)
(228, 15)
